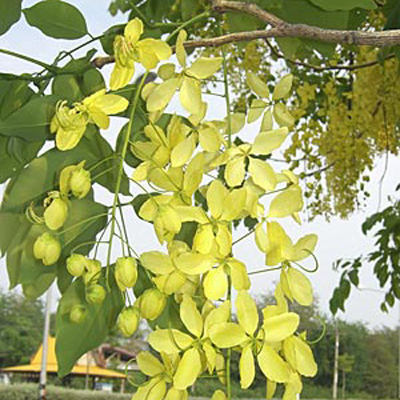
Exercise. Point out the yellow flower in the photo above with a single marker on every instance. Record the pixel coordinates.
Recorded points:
(258, 106)
(244, 334)
(260, 171)
(126, 272)
(56, 213)
(152, 303)
(188, 81)
(128, 49)
(278, 246)
(47, 248)
(195, 346)
(161, 375)
(128, 320)
(69, 124)
(170, 278)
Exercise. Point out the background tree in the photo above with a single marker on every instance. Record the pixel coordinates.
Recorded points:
(21, 328)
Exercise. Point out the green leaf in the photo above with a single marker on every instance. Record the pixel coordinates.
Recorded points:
(189, 8)
(15, 153)
(85, 219)
(346, 5)
(10, 13)
(13, 95)
(57, 19)
(31, 122)
(392, 12)
(304, 12)
(239, 22)
(108, 38)
(156, 10)
(74, 340)
(74, 88)
(10, 224)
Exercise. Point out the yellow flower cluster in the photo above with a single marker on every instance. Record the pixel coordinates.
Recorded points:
(205, 277)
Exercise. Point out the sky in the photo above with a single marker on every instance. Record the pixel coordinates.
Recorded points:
(337, 238)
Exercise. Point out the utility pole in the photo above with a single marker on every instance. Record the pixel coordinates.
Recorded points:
(398, 351)
(45, 346)
(336, 363)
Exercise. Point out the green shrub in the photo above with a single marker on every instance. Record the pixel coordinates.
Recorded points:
(30, 392)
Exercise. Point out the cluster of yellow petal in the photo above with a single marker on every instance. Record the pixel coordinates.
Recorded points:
(203, 276)
(177, 160)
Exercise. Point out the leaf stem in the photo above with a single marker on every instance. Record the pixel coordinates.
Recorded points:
(121, 168)
(187, 23)
(29, 59)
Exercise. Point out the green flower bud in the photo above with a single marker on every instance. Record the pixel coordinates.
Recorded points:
(152, 303)
(77, 314)
(128, 320)
(47, 248)
(80, 183)
(126, 272)
(93, 271)
(56, 214)
(95, 294)
(76, 264)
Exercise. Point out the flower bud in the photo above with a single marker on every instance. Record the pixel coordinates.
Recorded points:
(152, 303)
(93, 271)
(76, 264)
(77, 314)
(56, 214)
(126, 272)
(95, 294)
(80, 183)
(47, 248)
(128, 320)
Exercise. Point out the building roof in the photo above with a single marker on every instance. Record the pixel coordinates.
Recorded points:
(82, 367)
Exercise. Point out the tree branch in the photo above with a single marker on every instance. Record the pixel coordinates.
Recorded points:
(280, 28)
(351, 67)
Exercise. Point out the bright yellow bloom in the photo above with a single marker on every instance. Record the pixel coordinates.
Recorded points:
(69, 124)
(261, 172)
(263, 105)
(188, 81)
(278, 246)
(195, 346)
(128, 50)
(161, 376)
(244, 334)
(170, 278)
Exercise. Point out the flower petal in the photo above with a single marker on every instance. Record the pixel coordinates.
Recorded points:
(190, 316)
(188, 370)
(246, 367)
(272, 365)
(227, 334)
(247, 313)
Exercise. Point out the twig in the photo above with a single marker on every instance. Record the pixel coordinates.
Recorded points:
(352, 67)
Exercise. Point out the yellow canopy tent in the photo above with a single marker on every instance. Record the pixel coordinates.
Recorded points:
(83, 367)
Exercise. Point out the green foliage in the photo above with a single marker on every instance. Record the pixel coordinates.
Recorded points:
(29, 392)
(57, 19)
(31, 122)
(345, 4)
(385, 259)
(74, 340)
(21, 324)
(10, 12)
